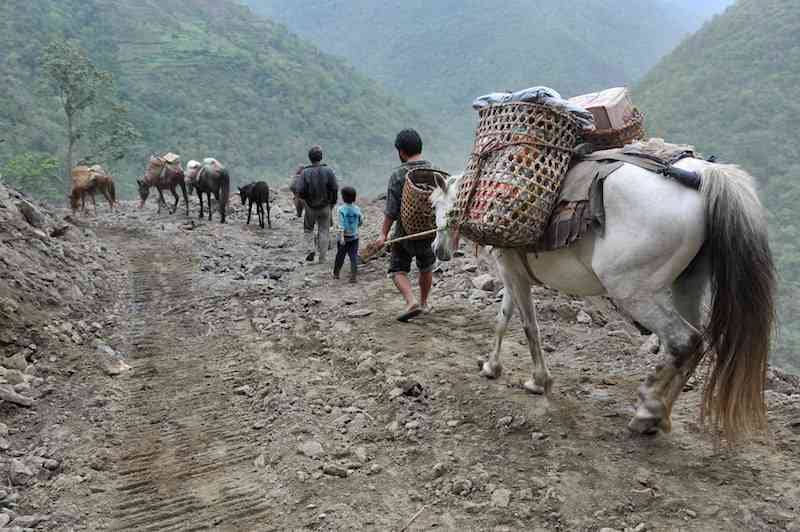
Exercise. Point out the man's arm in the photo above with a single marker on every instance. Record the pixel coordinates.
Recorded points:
(301, 187)
(387, 226)
(391, 212)
(333, 188)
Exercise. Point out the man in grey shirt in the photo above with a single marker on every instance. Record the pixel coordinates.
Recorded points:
(318, 188)
(409, 150)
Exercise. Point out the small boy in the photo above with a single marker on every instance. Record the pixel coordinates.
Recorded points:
(350, 219)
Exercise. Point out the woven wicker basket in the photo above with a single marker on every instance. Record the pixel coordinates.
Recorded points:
(416, 213)
(521, 154)
(606, 139)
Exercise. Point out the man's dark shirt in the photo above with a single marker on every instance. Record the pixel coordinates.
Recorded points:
(318, 186)
(394, 195)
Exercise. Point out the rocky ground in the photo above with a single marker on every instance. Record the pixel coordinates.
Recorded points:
(162, 373)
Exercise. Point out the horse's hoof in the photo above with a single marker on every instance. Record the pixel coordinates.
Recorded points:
(491, 371)
(646, 426)
(650, 418)
(531, 387)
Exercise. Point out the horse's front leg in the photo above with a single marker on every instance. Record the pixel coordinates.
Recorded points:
(200, 197)
(177, 200)
(94, 204)
(185, 197)
(269, 218)
(261, 215)
(249, 210)
(518, 281)
(492, 368)
(161, 200)
(210, 210)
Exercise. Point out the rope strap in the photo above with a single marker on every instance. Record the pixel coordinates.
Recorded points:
(493, 146)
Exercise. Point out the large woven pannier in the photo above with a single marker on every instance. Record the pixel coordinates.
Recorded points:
(521, 154)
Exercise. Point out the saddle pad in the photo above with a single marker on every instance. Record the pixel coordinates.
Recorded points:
(579, 207)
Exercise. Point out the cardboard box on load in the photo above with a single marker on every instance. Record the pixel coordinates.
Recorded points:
(611, 108)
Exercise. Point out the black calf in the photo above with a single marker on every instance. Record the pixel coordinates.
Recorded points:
(257, 193)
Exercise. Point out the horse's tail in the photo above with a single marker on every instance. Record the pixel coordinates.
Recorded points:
(112, 192)
(742, 316)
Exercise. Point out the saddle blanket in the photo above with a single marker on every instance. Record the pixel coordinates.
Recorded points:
(579, 208)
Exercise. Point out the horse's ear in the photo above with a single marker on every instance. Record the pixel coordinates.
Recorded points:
(441, 182)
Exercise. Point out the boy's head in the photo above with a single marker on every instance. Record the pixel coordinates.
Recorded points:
(408, 144)
(315, 154)
(348, 195)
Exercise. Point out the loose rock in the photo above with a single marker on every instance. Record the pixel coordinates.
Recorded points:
(311, 449)
(334, 470)
(501, 498)
(484, 282)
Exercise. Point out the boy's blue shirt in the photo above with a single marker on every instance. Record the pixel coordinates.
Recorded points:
(350, 219)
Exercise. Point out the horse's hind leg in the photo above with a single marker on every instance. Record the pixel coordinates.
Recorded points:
(687, 296)
(269, 218)
(261, 215)
(682, 349)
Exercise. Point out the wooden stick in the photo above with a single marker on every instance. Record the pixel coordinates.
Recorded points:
(409, 237)
(414, 518)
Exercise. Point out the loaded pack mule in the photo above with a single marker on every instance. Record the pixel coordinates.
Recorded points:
(210, 178)
(664, 246)
(164, 172)
(87, 181)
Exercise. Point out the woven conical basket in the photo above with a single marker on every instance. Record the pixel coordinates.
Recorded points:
(416, 212)
(521, 154)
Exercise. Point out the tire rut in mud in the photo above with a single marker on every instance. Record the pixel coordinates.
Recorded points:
(188, 450)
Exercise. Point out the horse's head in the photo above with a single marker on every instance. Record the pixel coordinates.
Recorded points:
(144, 191)
(244, 191)
(192, 169)
(443, 198)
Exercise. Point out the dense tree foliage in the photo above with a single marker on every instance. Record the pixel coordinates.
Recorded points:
(93, 118)
(202, 79)
(733, 89)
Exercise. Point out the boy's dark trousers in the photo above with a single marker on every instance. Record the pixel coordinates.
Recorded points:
(347, 248)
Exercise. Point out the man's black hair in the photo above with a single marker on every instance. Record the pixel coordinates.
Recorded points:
(409, 142)
(348, 194)
(315, 154)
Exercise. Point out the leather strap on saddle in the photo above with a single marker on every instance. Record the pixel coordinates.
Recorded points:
(652, 163)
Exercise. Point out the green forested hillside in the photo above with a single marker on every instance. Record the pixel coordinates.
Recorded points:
(203, 78)
(733, 89)
(443, 53)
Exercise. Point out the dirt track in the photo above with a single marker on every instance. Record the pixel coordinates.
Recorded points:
(264, 396)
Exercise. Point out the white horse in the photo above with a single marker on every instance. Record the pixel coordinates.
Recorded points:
(664, 247)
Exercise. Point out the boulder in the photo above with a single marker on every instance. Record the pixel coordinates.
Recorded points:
(485, 282)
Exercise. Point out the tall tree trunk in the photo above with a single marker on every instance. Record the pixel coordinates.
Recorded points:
(70, 149)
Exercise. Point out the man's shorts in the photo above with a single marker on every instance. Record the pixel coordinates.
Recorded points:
(403, 252)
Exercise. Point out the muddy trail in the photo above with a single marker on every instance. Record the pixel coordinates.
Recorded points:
(264, 395)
